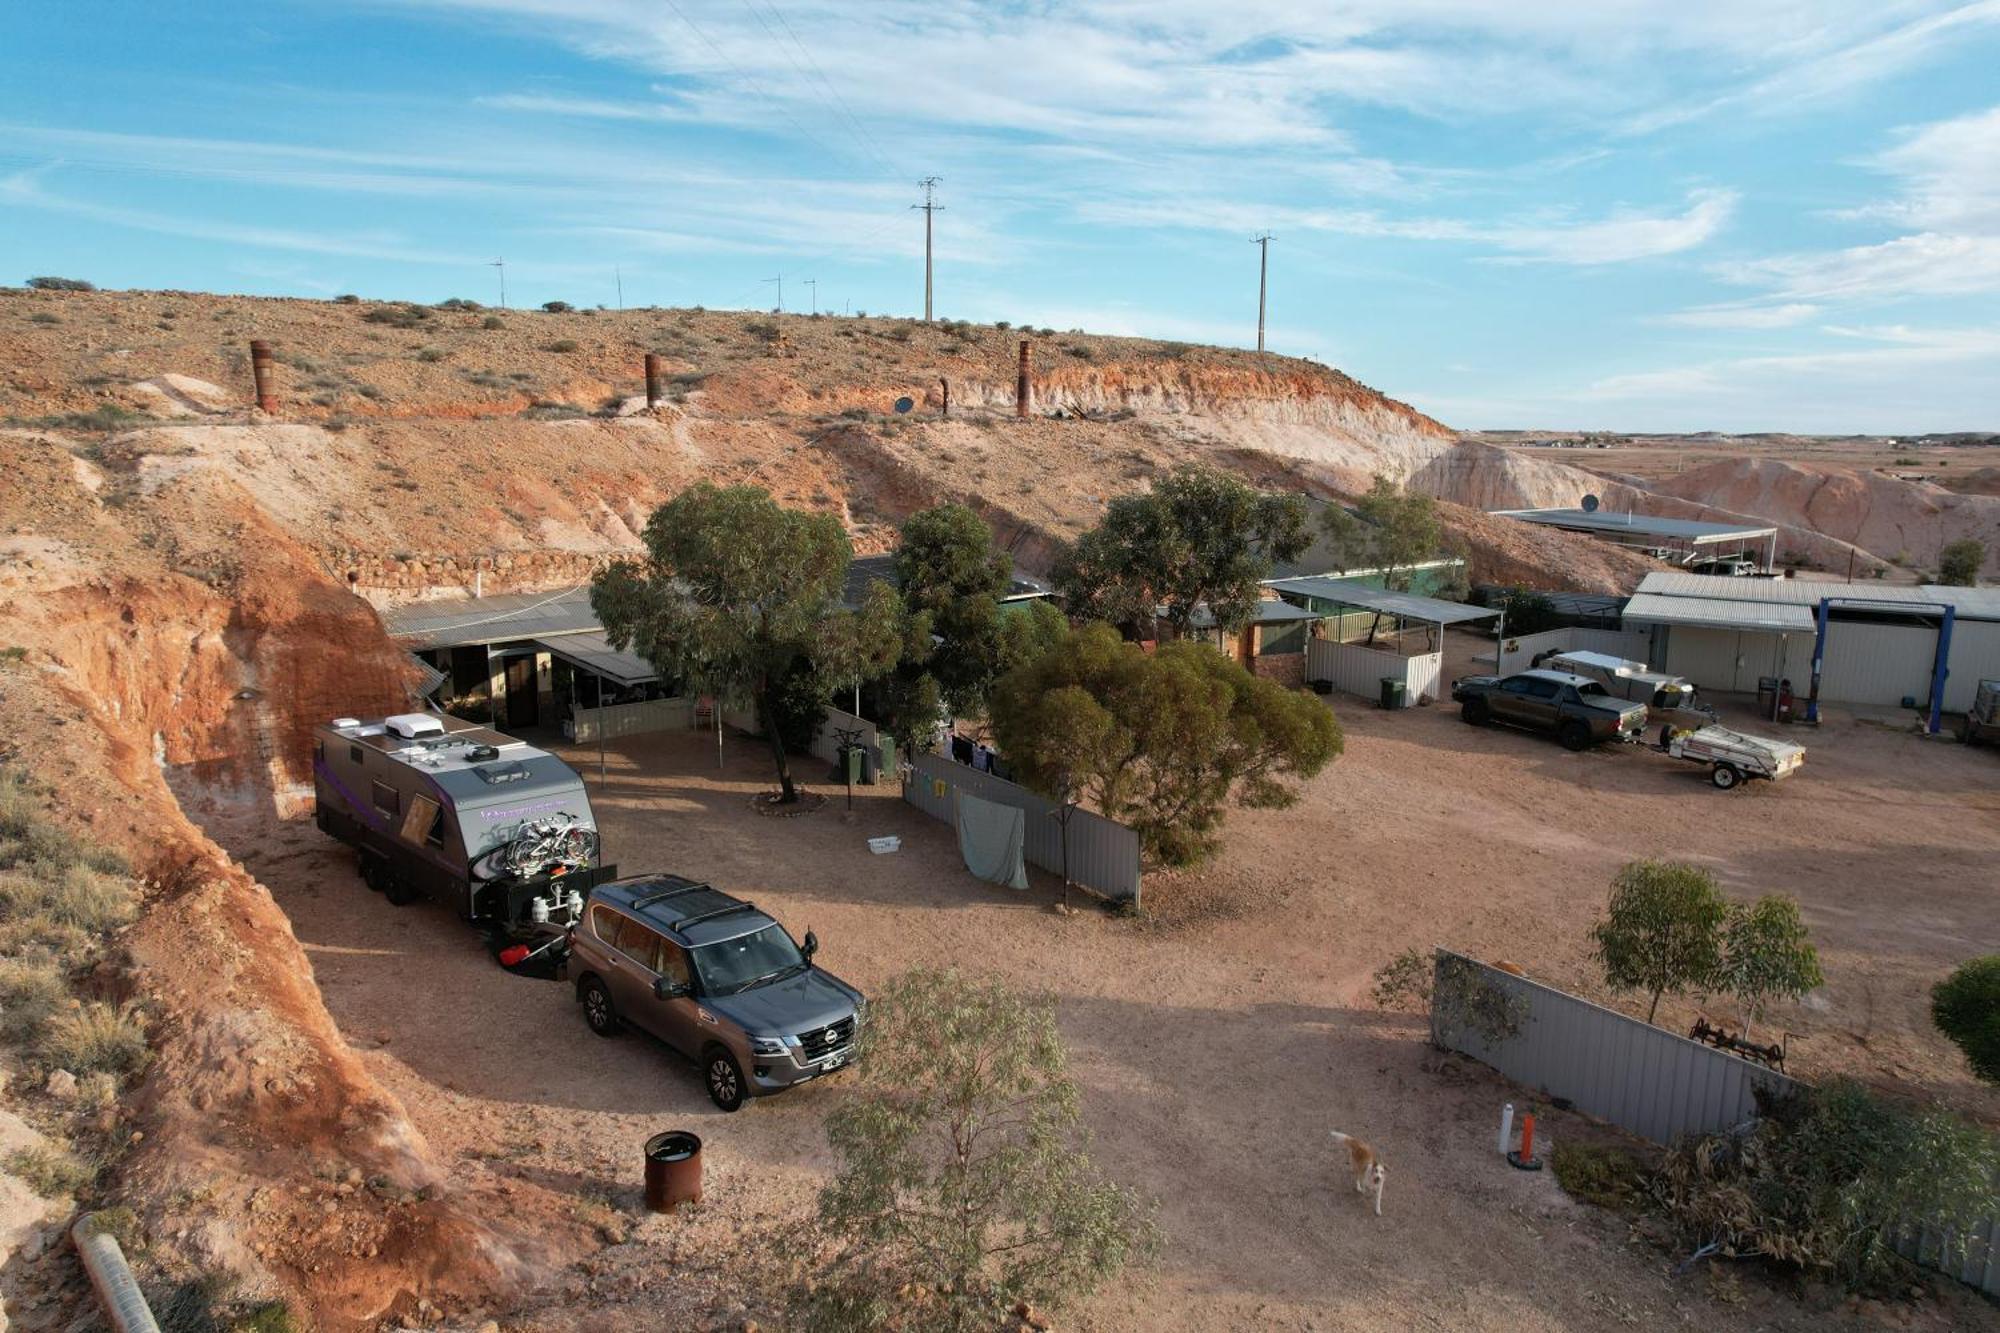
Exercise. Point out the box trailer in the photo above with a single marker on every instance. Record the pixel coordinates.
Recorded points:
(440, 807)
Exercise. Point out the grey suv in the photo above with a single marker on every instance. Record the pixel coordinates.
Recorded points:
(717, 980)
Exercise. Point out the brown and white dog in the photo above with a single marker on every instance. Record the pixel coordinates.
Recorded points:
(1366, 1166)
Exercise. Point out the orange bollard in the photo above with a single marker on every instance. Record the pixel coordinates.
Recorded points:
(1524, 1158)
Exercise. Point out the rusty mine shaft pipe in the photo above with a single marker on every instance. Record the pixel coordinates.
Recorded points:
(652, 379)
(260, 370)
(1023, 389)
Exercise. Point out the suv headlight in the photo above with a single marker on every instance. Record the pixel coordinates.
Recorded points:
(767, 1045)
(860, 1010)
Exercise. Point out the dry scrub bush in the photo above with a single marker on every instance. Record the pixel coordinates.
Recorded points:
(96, 1038)
(50, 1170)
(31, 995)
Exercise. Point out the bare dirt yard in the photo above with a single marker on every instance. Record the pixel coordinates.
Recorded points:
(1219, 1037)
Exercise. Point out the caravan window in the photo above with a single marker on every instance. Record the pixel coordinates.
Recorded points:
(387, 799)
(422, 824)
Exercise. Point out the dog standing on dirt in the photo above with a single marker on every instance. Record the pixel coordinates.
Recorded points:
(1366, 1166)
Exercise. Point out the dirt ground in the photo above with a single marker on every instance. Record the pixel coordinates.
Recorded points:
(1219, 1038)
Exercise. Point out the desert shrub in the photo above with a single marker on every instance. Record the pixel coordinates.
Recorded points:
(347, 298)
(1404, 981)
(46, 284)
(397, 316)
(1824, 1179)
(900, 332)
(561, 345)
(1079, 351)
(95, 1038)
(1959, 562)
(962, 1187)
(44, 317)
(493, 322)
(689, 380)
(765, 329)
(50, 1171)
(861, 314)
(557, 307)
(68, 893)
(1003, 324)
(856, 413)
(31, 995)
(554, 412)
(1966, 1008)
(458, 303)
(1602, 1174)
(430, 354)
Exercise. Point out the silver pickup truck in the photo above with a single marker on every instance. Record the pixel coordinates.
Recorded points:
(1577, 711)
(1671, 701)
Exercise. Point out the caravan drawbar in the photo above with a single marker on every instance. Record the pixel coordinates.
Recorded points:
(441, 807)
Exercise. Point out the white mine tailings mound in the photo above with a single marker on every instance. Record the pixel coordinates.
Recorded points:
(1905, 521)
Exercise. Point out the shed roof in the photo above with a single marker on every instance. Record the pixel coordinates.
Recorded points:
(866, 569)
(1971, 603)
(1405, 604)
(1691, 530)
(458, 622)
(592, 651)
(1716, 613)
(1268, 612)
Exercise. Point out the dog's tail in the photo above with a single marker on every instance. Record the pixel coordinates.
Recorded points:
(1337, 1136)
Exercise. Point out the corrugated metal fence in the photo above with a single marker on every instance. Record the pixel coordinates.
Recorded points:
(1103, 856)
(1638, 1077)
(1354, 669)
(1633, 1074)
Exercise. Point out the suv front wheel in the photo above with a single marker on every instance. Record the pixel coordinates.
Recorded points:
(724, 1079)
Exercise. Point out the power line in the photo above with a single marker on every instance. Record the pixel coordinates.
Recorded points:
(840, 107)
(929, 206)
(744, 75)
(780, 280)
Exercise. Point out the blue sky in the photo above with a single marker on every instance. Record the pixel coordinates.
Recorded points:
(1706, 214)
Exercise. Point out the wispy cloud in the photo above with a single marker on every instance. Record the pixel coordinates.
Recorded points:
(1742, 316)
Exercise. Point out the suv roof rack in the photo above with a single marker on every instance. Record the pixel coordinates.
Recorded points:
(711, 915)
(649, 899)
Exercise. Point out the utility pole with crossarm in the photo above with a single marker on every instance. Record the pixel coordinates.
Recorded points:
(929, 206)
(1263, 244)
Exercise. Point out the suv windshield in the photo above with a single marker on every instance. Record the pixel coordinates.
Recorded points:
(729, 966)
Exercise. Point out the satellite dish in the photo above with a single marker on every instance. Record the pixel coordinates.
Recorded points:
(1590, 503)
(904, 404)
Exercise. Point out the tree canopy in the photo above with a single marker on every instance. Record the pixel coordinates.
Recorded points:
(1767, 954)
(1389, 529)
(962, 1185)
(1167, 739)
(1662, 929)
(949, 573)
(736, 596)
(1198, 538)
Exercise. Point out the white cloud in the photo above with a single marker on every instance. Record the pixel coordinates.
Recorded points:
(1950, 174)
(1742, 316)
(1626, 235)
(1926, 264)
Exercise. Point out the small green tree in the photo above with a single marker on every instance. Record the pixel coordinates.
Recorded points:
(949, 573)
(1199, 538)
(1662, 929)
(1062, 743)
(1194, 731)
(737, 596)
(1767, 955)
(1959, 562)
(1527, 611)
(962, 1181)
(1391, 529)
(1966, 1008)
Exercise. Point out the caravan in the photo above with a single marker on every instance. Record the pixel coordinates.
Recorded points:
(443, 807)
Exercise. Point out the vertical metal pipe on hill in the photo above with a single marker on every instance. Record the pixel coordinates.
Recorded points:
(261, 372)
(1023, 389)
(652, 379)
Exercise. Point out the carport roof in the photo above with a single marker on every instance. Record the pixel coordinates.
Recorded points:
(1715, 613)
(594, 653)
(1405, 604)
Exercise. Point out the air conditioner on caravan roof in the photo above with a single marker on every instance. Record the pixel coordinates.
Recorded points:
(411, 725)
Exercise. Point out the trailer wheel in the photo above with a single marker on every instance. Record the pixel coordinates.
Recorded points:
(374, 871)
(1666, 736)
(399, 891)
(1725, 776)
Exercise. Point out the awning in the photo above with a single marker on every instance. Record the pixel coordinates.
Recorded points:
(1405, 604)
(1268, 612)
(593, 653)
(430, 679)
(1650, 608)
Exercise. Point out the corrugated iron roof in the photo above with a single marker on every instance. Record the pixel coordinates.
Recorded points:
(1405, 604)
(1641, 525)
(456, 622)
(1971, 603)
(594, 653)
(1716, 613)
